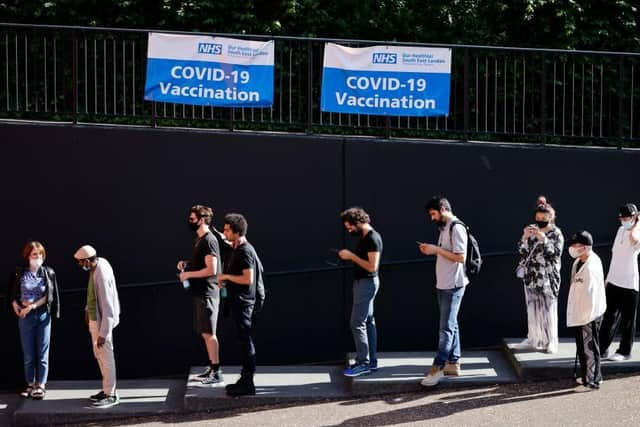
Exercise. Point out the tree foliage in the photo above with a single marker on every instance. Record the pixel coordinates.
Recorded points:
(570, 24)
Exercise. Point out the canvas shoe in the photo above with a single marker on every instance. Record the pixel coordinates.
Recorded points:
(373, 367)
(617, 357)
(356, 370)
(214, 378)
(106, 402)
(206, 373)
(98, 396)
(452, 369)
(436, 373)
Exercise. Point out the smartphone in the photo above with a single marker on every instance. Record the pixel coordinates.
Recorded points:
(419, 243)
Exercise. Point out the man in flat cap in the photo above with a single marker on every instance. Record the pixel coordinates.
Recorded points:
(102, 313)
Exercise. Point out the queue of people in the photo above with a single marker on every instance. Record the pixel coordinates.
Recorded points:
(224, 266)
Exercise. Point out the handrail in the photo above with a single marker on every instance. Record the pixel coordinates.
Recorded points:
(320, 39)
(427, 259)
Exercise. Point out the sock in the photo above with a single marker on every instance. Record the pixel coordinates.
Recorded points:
(215, 367)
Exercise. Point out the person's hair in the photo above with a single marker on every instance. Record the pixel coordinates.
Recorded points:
(237, 223)
(29, 247)
(438, 202)
(202, 212)
(355, 215)
(543, 206)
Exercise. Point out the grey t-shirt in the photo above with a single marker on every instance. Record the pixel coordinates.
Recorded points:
(451, 274)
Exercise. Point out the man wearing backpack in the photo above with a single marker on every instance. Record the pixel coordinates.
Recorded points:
(243, 277)
(451, 279)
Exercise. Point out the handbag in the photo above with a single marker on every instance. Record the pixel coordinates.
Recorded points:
(521, 269)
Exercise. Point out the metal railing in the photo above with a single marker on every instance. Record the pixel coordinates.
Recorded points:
(85, 74)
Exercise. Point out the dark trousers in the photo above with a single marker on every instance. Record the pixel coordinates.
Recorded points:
(588, 350)
(620, 316)
(241, 313)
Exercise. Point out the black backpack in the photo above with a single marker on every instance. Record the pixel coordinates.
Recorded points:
(473, 260)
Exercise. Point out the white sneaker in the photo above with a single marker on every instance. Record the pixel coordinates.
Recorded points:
(436, 373)
(617, 357)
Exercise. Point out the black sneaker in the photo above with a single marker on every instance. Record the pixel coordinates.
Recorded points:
(214, 378)
(98, 396)
(106, 402)
(206, 373)
(244, 387)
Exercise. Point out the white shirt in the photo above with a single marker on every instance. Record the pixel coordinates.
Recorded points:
(451, 274)
(587, 300)
(623, 270)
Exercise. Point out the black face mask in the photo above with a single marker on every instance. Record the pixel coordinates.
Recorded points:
(355, 232)
(193, 226)
(542, 224)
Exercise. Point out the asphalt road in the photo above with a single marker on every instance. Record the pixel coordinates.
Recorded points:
(551, 403)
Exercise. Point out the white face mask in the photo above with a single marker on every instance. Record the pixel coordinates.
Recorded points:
(35, 263)
(628, 225)
(576, 252)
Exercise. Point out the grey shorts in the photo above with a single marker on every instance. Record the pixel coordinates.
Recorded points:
(205, 314)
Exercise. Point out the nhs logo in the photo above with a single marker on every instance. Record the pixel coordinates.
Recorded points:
(210, 48)
(385, 58)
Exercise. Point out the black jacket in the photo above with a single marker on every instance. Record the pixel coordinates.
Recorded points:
(53, 295)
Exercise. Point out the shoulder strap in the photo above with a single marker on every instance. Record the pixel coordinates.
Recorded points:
(454, 223)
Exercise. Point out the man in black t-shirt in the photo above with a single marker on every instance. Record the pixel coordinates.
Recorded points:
(241, 271)
(201, 273)
(366, 283)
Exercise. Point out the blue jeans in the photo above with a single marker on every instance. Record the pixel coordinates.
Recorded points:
(363, 324)
(449, 301)
(35, 333)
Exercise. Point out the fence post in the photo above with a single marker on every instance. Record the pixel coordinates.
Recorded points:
(74, 77)
(543, 100)
(232, 114)
(154, 117)
(387, 127)
(309, 88)
(620, 101)
(465, 79)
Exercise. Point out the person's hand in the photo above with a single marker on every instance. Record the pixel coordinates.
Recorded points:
(16, 309)
(528, 231)
(26, 310)
(428, 249)
(181, 265)
(539, 235)
(184, 276)
(100, 342)
(346, 254)
(223, 278)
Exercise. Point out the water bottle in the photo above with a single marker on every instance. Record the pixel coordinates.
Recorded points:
(185, 283)
(223, 292)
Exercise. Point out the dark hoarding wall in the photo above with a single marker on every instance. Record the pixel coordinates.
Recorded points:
(127, 192)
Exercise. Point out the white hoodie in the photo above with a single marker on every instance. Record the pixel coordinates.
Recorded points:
(587, 300)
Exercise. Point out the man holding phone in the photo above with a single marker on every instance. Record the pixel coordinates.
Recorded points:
(451, 280)
(366, 283)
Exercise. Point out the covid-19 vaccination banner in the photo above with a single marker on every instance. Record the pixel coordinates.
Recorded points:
(386, 80)
(204, 70)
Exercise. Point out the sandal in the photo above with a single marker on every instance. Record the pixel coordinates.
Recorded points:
(38, 393)
(27, 391)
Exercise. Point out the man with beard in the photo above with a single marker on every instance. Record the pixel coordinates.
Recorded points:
(451, 280)
(366, 283)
